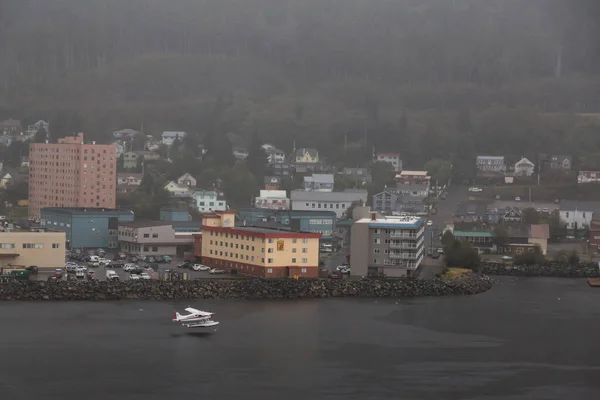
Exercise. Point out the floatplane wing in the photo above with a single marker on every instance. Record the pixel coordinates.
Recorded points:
(198, 312)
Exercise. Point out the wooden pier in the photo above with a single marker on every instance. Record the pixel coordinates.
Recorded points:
(594, 282)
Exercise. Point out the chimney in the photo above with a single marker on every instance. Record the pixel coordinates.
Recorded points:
(373, 216)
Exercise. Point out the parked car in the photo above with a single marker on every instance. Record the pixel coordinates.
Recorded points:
(200, 267)
(129, 266)
(134, 277)
(335, 275)
(217, 271)
(184, 265)
(145, 275)
(429, 223)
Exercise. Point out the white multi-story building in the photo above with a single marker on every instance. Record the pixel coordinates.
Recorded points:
(339, 202)
(576, 214)
(491, 164)
(272, 200)
(168, 137)
(274, 155)
(386, 245)
(392, 158)
(209, 200)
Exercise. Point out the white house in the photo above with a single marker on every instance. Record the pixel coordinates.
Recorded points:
(524, 167)
(576, 214)
(186, 180)
(392, 158)
(209, 200)
(168, 137)
(119, 147)
(491, 164)
(272, 200)
(274, 155)
(6, 181)
(240, 153)
(34, 128)
(178, 191)
(130, 179)
(319, 182)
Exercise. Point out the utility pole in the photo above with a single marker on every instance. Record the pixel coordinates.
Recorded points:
(539, 168)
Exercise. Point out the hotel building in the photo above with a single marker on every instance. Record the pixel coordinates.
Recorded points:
(267, 253)
(392, 246)
(71, 173)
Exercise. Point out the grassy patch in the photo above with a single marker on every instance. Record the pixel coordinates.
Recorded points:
(456, 273)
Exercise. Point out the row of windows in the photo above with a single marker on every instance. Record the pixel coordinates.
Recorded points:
(249, 258)
(28, 245)
(320, 205)
(238, 246)
(243, 237)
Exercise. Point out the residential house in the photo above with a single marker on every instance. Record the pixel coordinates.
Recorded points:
(539, 234)
(490, 164)
(524, 167)
(168, 137)
(307, 156)
(274, 155)
(559, 162)
(11, 127)
(319, 182)
(385, 202)
(512, 214)
(147, 155)
(588, 177)
(392, 158)
(130, 160)
(23, 137)
(178, 191)
(5, 140)
(186, 180)
(339, 202)
(240, 153)
(413, 178)
(6, 181)
(576, 214)
(128, 182)
(386, 245)
(282, 169)
(272, 200)
(482, 239)
(358, 175)
(309, 168)
(209, 200)
(125, 134)
(34, 128)
(468, 209)
(272, 182)
(119, 146)
(132, 179)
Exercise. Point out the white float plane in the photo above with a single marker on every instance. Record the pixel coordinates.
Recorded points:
(195, 319)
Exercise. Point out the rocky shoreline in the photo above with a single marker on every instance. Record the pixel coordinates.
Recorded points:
(243, 289)
(550, 270)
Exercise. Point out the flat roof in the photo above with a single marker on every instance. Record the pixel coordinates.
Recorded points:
(263, 232)
(393, 222)
(84, 210)
(288, 212)
(145, 224)
(411, 173)
(473, 234)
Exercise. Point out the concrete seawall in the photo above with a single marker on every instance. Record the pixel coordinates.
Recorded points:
(246, 289)
(550, 270)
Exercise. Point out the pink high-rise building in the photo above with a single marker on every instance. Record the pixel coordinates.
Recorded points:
(71, 174)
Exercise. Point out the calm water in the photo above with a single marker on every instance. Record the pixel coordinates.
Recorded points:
(525, 339)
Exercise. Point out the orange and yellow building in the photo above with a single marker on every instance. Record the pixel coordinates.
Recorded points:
(267, 253)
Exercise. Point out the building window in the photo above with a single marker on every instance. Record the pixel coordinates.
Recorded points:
(293, 261)
(269, 270)
(145, 248)
(304, 260)
(376, 251)
(377, 231)
(376, 261)
(33, 245)
(56, 245)
(377, 241)
(294, 250)
(155, 235)
(146, 235)
(7, 245)
(294, 240)
(270, 250)
(304, 240)
(270, 261)
(303, 270)
(305, 250)
(270, 240)
(262, 260)
(155, 248)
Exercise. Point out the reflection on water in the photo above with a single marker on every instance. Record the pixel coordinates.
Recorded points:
(525, 339)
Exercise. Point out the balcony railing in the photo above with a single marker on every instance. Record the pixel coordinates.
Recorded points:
(409, 245)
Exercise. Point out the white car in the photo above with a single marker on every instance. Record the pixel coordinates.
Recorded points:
(429, 223)
(129, 267)
(517, 199)
(144, 275)
(215, 271)
(200, 267)
(134, 277)
(475, 189)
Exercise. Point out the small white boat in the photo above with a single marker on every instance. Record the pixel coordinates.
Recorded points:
(195, 319)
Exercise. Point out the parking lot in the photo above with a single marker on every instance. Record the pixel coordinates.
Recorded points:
(100, 272)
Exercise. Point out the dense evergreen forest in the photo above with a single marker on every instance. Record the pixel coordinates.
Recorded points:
(424, 77)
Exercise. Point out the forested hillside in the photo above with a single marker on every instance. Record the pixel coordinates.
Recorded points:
(424, 77)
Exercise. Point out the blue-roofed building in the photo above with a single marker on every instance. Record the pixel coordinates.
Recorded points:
(323, 222)
(392, 246)
(86, 228)
(176, 214)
